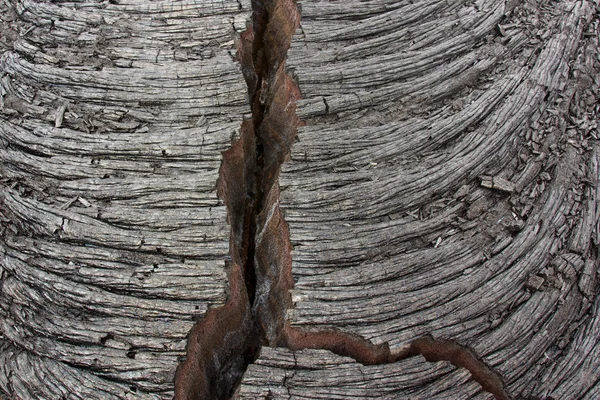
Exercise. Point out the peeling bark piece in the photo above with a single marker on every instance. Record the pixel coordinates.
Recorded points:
(582, 237)
(60, 114)
(535, 282)
(498, 183)
(588, 279)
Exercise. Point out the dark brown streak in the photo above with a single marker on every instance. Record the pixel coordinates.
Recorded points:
(367, 353)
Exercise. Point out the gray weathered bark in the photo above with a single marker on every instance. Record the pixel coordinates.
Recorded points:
(114, 118)
(444, 181)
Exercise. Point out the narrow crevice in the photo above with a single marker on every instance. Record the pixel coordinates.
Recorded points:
(228, 338)
(222, 345)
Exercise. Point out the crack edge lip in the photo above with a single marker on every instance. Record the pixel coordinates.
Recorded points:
(221, 345)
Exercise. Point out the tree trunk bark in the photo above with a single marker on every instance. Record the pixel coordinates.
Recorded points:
(444, 183)
(115, 115)
(264, 199)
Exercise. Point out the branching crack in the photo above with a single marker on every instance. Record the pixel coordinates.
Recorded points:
(228, 339)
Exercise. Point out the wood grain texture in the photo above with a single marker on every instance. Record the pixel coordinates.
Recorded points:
(114, 241)
(445, 182)
(448, 163)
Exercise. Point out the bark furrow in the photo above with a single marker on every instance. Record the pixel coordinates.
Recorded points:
(222, 344)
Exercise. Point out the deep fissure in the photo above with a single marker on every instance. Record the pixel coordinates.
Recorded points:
(254, 77)
(222, 345)
(229, 337)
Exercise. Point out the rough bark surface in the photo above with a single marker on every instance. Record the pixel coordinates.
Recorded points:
(114, 241)
(442, 182)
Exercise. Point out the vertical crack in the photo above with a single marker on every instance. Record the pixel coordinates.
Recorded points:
(228, 339)
(221, 345)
